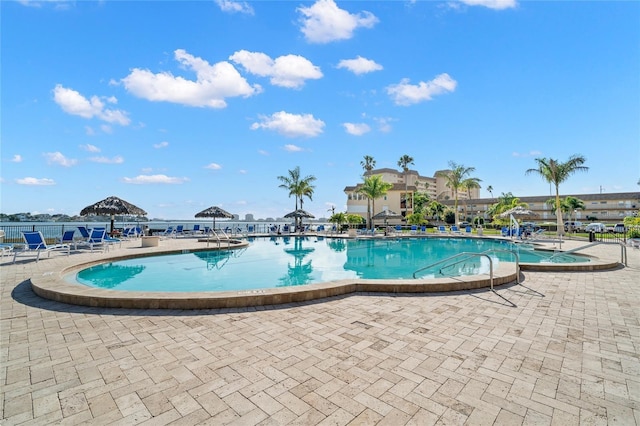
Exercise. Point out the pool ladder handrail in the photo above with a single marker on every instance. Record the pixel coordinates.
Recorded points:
(468, 254)
(472, 254)
(218, 239)
(623, 250)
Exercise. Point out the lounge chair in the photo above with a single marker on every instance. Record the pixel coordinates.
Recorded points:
(169, 232)
(96, 240)
(442, 229)
(455, 230)
(273, 230)
(84, 232)
(467, 230)
(398, 229)
(108, 239)
(67, 238)
(196, 229)
(414, 229)
(35, 244)
(423, 229)
(5, 248)
(179, 230)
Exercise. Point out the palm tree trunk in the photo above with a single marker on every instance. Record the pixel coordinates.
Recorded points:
(559, 213)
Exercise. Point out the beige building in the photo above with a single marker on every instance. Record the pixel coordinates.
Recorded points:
(607, 207)
(400, 198)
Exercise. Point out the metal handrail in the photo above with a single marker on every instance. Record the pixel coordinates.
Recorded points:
(513, 252)
(623, 250)
(464, 253)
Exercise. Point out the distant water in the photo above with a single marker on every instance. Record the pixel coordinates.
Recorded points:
(55, 229)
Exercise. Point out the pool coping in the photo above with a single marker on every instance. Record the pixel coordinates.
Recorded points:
(51, 285)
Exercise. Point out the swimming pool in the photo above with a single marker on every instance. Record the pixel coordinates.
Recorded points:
(292, 261)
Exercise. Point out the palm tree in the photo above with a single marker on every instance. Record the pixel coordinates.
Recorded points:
(568, 206)
(297, 186)
(455, 180)
(372, 188)
(556, 172)
(368, 163)
(490, 190)
(436, 209)
(404, 162)
(469, 184)
(505, 202)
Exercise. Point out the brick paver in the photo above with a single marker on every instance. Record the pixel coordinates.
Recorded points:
(567, 353)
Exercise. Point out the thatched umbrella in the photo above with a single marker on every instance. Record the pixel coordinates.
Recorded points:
(215, 212)
(299, 214)
(519, 212)
(113, 206)
(386, 215)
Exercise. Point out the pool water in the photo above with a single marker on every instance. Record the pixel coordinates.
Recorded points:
(292, 261)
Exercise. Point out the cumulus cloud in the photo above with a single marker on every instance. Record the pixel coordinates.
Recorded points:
(263, 152)
(292, 148)
(213, 166)
(90, 148)
(291, 125)
(492, 4)
(356, 129)
(384, 124)
(404, 93)
(59, 159)
(35, 181)
(289, 71)
(104, 160)
(526, 154)
(234, 6)
(325, 22)
(213, 84)
(72, 102)
(16, 158)
(160, 145)
(360, 65)
(147, 179)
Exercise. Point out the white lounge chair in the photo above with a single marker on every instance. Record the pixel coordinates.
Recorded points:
(35, 244)
(95, 240)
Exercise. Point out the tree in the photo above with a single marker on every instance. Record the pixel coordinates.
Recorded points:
(505, 202)
(556, 172)
(436, 210)
(297, 186)
(374, 187)
(368, 163)
(469, 184)
(338, 218)
(568, 205)
(490, 190)
(405, 161)
(455, 178)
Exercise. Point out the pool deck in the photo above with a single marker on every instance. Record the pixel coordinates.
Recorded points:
(562, 348)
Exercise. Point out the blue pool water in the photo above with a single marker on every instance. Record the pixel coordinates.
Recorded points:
(291, 261)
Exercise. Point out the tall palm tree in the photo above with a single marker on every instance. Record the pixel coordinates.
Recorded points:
(555, 172)
(455, 178)
(405, 161)
(297, 186)
(490, 190)
(374, 187)
(368, 163)
(436, 209)
(469, 184)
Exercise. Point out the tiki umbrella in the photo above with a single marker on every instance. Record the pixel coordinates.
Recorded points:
(112, 206)
(386, 215)
(299, 214)
(214, 212)
(519, 212)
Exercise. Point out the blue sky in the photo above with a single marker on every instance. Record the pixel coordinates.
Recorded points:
(177, 106)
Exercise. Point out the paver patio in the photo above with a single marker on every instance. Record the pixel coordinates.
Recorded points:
(567, 353)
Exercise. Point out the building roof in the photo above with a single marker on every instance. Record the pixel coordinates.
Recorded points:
(544, 198)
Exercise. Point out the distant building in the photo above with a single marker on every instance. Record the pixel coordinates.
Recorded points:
(607, 207)
(400, 198)
(249, 217)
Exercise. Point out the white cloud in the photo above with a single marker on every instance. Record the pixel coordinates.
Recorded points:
(104, 160)
(286, 71)
(90, 148)
(35, 181)
(360, 65)
(291, 125)
(160, 145)
(492, 4)
(263, 152)
(213, 83)
(404, 93)
(292, 148)
(243, 171)
(72, 102)
(148, 179)
(16, 158)
(325, 22)
(234, 6)
(384, 124)
(89, 130)
(526, 154)
(213, 166)
(356, 129)
(59, 159)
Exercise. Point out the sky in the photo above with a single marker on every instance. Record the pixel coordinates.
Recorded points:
(176, 106)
